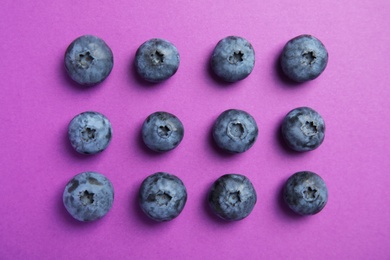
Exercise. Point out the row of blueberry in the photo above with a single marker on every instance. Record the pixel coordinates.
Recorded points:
(89, 60)
(235, 131)
(89, 196)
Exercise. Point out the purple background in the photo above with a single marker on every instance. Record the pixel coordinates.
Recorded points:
(38, 100)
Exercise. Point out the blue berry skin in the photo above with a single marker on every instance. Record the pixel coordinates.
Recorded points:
(89, 132)
(162, 131)
(162, 196)
(232, 197)
(303, 129)
(235, 131)
(305, 193)
(304, 58)
(157, 60)
(88, 60)
(88, 196)
(233, 59)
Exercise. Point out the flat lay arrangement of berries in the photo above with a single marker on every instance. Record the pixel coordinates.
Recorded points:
(194, 130)
(162, 196)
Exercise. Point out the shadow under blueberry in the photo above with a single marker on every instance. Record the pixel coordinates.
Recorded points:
(282, 77)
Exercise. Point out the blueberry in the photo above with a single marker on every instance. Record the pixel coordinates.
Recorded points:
(304, 58)
(235, 131)
(162, 196)
(303, 129)
(162, 131)
(157, 60)
(305, 193)
(89, 132)
(88, 196)
(233, 59)
(88, 60)
(232, 197)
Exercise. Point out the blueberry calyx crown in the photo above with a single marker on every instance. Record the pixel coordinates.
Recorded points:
(236, 57)
(310, 193)
(157, 57)
(234, 198)
(309, 128)
(162, 198)
(85, 59)
(86, 197)
(236, 130)
(88, 134)
(164, 131)
(309, 57)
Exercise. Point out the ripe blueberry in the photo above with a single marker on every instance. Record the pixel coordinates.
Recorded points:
(89, 132)
(304, 58)
(233, 59)
(88, 60)
(303, 129)
(305, 193)
(162, 131)
(162, 196)
(235, 131)
(157, 60)
(88, 196)
(232, 197)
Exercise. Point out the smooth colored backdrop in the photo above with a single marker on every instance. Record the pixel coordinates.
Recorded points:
(38, 100)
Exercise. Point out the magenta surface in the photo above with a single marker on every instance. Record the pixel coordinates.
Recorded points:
(38, 100)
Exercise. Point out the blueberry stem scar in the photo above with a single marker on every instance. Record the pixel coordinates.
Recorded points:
(309, 57)
(162, 198)
(157, 57)
(236, 130)
(309, 128)
(88, 134)
(85, 59)
(86, 197)
(236, 57)
(234, 198)
(310, 194)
